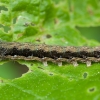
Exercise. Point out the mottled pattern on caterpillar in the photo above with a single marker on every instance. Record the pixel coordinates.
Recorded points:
(46, 53)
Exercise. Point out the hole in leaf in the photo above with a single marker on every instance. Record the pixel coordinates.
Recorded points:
(14, 20)
(90, 32)
(85, 75)
(11, 70)
(31, 64)
(3, 8)
(92, 89)
(51, 74)
(38, 40)
(48, 36)
(71, 79)
(40, 67)
(1, 25)
(6, 28)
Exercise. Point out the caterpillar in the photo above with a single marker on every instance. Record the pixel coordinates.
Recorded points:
(45, 53)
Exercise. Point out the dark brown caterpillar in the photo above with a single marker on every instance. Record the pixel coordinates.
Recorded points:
(44, 53)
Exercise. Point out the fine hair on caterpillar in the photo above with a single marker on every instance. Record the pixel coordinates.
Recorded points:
(45, 53)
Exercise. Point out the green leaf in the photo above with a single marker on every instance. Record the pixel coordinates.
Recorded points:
(51, 22)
